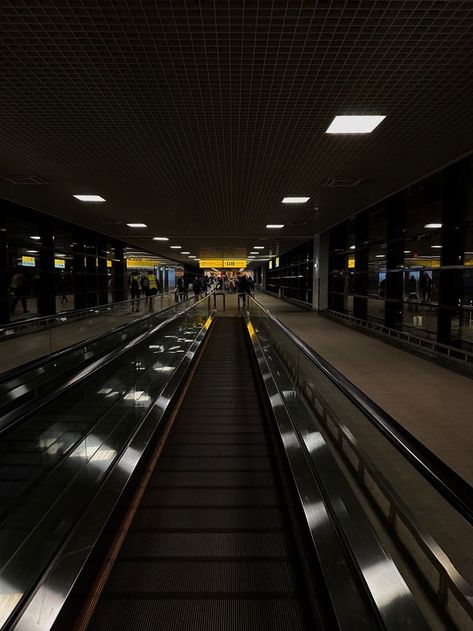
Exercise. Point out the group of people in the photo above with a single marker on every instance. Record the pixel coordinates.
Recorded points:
(143, 283)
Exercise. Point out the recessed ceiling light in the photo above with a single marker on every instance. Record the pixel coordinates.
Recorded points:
(185, 252)
(255, 252)
(436, 247)
(407, 251)
(89, 198)
(160, 239)
(59, 256)
(352, 247)
(136, 225)
(380, 256)
(433, 225)
(176, 247)
(258, 247)
(35, 238)
(31, 251)
(295, 200)
(354, 124)
(192, 256)
(275, 225)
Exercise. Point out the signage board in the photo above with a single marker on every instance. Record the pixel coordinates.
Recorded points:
(28, 261)
(271, 264)
(276, 262)
(219, 263)
(59, 263)
(140, 263)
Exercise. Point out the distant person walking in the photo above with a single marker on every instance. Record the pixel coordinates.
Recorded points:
(151, 289)
(135, 289)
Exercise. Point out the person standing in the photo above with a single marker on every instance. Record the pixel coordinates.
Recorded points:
(135, 289)
(151, 289)
(19, 290)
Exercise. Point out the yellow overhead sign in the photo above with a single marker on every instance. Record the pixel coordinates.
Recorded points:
(205, 263)
(140, 263)
(219, 263)
(234, 262)
(28, 261)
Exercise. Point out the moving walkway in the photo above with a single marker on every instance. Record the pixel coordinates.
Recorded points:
(190, 485)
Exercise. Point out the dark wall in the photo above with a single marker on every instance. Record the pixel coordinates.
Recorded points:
(291, 274)
(407, 262)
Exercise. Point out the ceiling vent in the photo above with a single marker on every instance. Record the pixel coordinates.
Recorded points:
(23, 180)
(342, 182)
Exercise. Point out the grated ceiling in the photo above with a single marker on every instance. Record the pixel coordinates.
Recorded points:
(198, 117)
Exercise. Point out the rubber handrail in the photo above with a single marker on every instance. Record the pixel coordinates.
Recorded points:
(453, 488)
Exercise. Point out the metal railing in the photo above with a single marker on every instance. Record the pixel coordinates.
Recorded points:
(422, 343)
(40, 323)
(454, 489)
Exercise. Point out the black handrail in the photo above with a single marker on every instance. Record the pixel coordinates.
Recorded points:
(448, 483)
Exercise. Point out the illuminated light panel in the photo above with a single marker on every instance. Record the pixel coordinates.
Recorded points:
(407, 251)
(354, 124)
(380, 256)
(436, 247)
(35, 238)
(274, 225)
(295, 200)
(188, 252)
(32, 251)
(176, 247)
(258, 247)
(137, 225)
(160, 239)
(432, 226)
(89, 198)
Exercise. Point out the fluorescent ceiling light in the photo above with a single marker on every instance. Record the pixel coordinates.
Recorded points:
(35, 238)
(354, 124)
(192, 256)
(255, 252)
(295, 200)
(31, 251)
(136, 225)
(407, 251)
(176, 247)
(436, 247)
(433, 225)
(185, 252)
(258, 247)
(380, 256)
(60, 256)
(275, 225)
(89, 198)
(160, 239)
(352, 247)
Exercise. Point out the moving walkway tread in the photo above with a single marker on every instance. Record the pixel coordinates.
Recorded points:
(210, 546)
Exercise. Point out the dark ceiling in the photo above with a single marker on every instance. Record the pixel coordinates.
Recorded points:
(198, 117)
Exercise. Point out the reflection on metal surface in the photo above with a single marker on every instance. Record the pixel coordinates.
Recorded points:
(313, 441)
(137, 395)
(8, 601)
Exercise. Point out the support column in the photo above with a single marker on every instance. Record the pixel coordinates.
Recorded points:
(4, 275)
(320, 277)
(360, 285)
(91, 276)
(119, 275)
(78, 276)
(47, 281)
(102, 280)
(396, 226)
(454, 210)
(337, 268)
